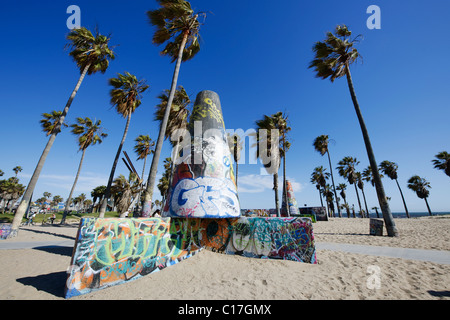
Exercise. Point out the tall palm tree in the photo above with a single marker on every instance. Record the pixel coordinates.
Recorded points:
(390, 169)
(281, 123)
(89, 133)
(269, 150)
(360, 183)
(329, 195)
(342, 187)
(17, 169)
(442, 162)
(319, 178)
(91, 54)
(420, 186)
(235, 146)
(126, 96)
(178, 117)
(144, 147)
(164, 182)
(321, 145)
(346, 169)
(332, 60)
(178, 26)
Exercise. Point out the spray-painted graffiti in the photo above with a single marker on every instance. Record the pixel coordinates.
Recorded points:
(5, 230)
(204, 197)
(203, 183)
(259, 212)
(112, 251)
(292, 202)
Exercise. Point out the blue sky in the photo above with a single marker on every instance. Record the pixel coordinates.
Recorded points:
(255, 56)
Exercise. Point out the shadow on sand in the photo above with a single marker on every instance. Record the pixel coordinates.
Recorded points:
(49, 233)
(52, 283)
(63, 251)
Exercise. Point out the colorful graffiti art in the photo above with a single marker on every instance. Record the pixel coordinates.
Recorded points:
(273, 238)
(203, 184)
(5, 230)
(113, 251)
(291, 201)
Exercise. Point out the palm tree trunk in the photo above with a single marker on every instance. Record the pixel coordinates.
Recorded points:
(148, 192)
(22, 208)
(428, 207)
(359, 201)
(66, 209)
(384, 205)
(275, 188)
(285, 197)
(334, 188)
(113, 170)
(320, 196)
(403, 198)
(365, 204)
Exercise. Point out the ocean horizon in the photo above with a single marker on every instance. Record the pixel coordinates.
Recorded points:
(403, 214)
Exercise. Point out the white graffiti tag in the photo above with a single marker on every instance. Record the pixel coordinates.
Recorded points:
(205, 197)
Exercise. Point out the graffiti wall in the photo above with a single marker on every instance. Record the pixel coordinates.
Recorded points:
(113, 251)
(5, 230)
(203, 183)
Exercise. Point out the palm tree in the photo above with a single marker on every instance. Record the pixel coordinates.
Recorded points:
(80, 199)
(125, 189)
(17, 169)
(360, 183)
(281, 123)
(390, 169)
(10, 191)
(89, 133)
(442, 162)
(342, 187)
(164, 182)
(56, 200)
(332, 60)
(328, 194)
(346, 169)
(376, 211)
(321, 145)
(319, 177)
(91, 54)
(98, 193)
(126, 96)
(235, 146)
(144, 147)
(420, 186)
(174, 20)
(179, 112)
(269, 150)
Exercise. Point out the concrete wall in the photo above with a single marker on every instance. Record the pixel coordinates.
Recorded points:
(113, 251)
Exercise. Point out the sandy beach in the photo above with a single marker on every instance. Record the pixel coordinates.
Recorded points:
(40, 273)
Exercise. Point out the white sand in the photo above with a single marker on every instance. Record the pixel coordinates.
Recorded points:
(40, 274)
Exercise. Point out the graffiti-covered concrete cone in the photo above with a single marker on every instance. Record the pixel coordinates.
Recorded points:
(292, 202)
(203, 183)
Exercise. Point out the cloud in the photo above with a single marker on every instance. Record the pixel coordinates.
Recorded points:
(254, 183)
